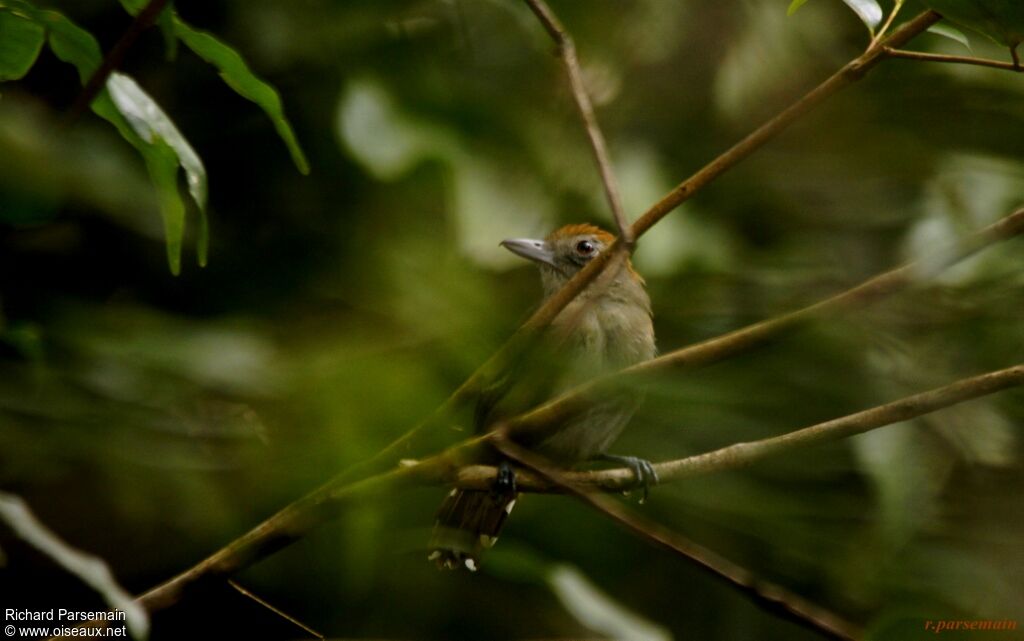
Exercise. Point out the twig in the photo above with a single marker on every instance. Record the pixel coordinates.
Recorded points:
(553, 305)
(746, 338)
(766, 594)
(888, 23)
(113, 59)
(279, 612)
(567, 50)
(963, 60)
(850, 73)
(742, 454)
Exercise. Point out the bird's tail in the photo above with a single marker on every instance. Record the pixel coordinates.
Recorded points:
(468, 523)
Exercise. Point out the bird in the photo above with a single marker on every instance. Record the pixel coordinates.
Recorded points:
(607, 327)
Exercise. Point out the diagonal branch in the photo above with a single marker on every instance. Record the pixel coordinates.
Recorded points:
(849, 74)
(114, 58)
(771, 596)
(567, 50)
(553, 305)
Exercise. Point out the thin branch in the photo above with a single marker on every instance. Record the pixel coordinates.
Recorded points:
(743, 454)
(850, 73)
(746, 338)
(553, 305)
(770, 596)
(962, 60)
(114, 58)
(567, 51)
(888, 23)
(279, 612)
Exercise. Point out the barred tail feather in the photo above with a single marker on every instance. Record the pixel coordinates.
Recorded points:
(468, 523)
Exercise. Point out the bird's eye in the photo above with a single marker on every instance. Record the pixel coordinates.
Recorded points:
(585, 248)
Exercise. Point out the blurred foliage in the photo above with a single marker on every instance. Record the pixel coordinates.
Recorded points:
(149, 419)
(90, 570)
(137, 117)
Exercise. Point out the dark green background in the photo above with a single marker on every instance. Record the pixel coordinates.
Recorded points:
(150, 419)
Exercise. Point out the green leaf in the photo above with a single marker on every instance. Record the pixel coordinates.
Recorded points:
(134, 6)
(166, 24)
(150, 122)
(162, 164)
(238, 76)
(153, 126)
(869, 12)
(21, 39)
(72, 44)
(77, 47)
(951, 32)
(146, 127)
(1000, 20)
(793, 6)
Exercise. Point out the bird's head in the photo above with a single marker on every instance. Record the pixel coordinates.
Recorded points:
(566, 251)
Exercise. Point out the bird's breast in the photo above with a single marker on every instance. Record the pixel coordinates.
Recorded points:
(602, 337)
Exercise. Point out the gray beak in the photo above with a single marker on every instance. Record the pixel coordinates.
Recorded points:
(535, 250)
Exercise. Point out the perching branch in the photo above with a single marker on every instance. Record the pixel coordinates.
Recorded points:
(751, 336)
(770, 596)
(743, 454)
(553, 305)
(567, 50)
(962, 60)
(114, 58)
(447, 468)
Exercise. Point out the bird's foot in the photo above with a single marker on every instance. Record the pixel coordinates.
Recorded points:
(643, 471)
(505, 481)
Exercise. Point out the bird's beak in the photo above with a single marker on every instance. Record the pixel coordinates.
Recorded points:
(535, 250)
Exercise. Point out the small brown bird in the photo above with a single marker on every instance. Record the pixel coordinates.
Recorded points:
(604, 329)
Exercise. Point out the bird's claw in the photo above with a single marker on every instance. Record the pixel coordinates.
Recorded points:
(505, 481)
(643, 471)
